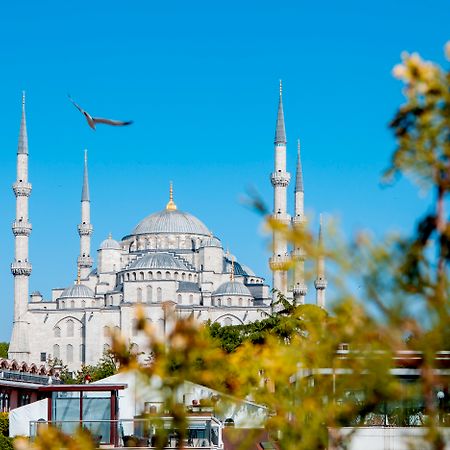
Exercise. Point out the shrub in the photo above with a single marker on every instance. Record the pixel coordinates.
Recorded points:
(4, 424)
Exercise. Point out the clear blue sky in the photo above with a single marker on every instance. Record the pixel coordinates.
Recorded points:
(200, 80)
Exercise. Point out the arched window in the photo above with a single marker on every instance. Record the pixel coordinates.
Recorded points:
(229, 301)
(141, 276)
(190, 277)
(183, 276)
(57, 332)
(63, 304)
(83, 303)
(72, 304)
(219, 302)
(240, 302)
(167, 275)
(249, 302)
(227, 322)
(69, 356)
(139, 295)
(134, 276)
(175, 275)
(149, 294)
(56, 351)
(191, 299)
(159, 294)
(179, 299)
(158, 275)
(128, 277)
(70, 327)
(150, 275)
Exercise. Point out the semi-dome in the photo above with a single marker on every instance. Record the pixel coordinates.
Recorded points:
(232, 288)
(158, 261)
(77, 291)
(211, 241)
(110, 244)
(171, 221)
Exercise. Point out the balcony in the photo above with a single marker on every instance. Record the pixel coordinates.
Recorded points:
(21, 268)
(22, 188)
(21, 228)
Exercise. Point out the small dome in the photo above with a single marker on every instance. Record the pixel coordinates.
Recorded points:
(211, 242)
(232, 288)
(110, 244)
(158, 261)
(77, 291)
(171, 221)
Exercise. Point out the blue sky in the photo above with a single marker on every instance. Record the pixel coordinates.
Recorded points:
(200, 80)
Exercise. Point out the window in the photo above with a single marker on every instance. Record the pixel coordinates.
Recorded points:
(56, 351)
(175, 275)
(158, 275)
(141, 276)
(190, 277)
(72, 304)
(179, 299)
(240, 302)
(63, 304)
(149, 294)
(227, 322)
(167, 275)
(70, 327)
(83, 303)
(57, 332)
(43, 357)
(229, 301)
(69, 355)
(139, 295)
(159, 294)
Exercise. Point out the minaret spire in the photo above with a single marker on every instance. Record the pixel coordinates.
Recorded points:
(280, 129)
(171, 205)
(21, 268)
(298, 222)
(85, 229)
(280, 181)
(321, 282)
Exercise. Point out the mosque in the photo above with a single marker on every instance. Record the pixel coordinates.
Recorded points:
(170, 262)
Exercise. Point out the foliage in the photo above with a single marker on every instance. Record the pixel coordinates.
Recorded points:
(292, 361)
(4, 423)
(106, 367)
(6, 443)
(4, 346)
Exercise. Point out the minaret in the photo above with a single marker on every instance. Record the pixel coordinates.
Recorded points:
(280, 181)
(19, 348)
(298, 221)
(85, 228)
(321, 282)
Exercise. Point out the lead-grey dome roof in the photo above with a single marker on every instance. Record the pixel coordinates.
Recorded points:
(110, 244)
(77, 291)
(211, 241)
(171, 221)
(158, 261)
(232, 288)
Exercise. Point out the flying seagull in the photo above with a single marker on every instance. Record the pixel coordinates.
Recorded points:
(92, 121)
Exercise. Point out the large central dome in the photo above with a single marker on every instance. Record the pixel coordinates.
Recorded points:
(171, 221)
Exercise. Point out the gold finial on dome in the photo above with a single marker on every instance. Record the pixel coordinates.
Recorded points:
(171, 205)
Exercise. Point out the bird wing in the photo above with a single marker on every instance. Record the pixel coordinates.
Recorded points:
(76, 106)
(116, 123)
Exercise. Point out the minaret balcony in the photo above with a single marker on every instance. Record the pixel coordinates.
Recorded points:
(283, 218)
(300, 290)
(320, 283)
(280, 179)
(21, 228)
(85, 229)
(298, 254)
(298, 221)
(22, 189)
(280, 262)
(85, 261)
(21, 268)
